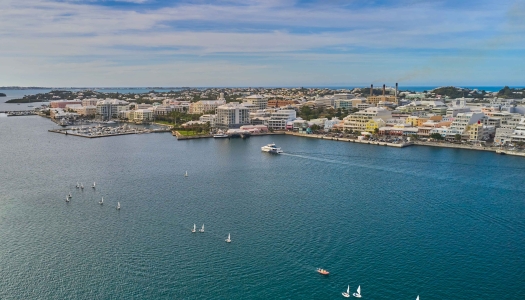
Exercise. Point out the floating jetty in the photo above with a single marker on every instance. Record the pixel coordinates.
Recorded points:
(104, 131)
(19, 113)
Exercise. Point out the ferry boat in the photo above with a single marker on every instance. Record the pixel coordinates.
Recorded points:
(220, 134)
(322, 271)
(271, 148)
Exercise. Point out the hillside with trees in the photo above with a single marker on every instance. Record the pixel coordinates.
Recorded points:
(507, 92)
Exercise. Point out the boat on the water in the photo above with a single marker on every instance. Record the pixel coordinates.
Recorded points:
(67, 199)
(322, 271)
(347, 293)
(186, 174)
(417, 297)
(228, 240)
(271, 148)
(221, 134)
(118, 205)
(93, 186)
(357, 294)
(194, 228)
(202, 229)
(101, 201)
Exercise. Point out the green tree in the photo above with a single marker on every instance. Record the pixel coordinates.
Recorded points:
(457, 137)
(436, 136)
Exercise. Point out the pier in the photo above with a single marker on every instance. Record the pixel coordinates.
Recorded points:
(318, 136)
(19, 113)
(103, 131)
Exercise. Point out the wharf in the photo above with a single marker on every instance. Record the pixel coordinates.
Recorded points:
(104, 134)
(206, 136)
(318, 136)
(19, 113)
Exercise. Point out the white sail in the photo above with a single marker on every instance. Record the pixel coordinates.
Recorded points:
(228, 240)
(118, 205)
(417, 297)
(186, 175)
(359, 290)
(348, 290)
(93, 185)
(194, 228)
(202, 229)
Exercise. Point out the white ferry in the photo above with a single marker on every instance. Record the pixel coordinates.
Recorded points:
(221, 134)
(271, 148)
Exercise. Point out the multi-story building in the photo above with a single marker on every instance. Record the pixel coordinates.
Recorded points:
(374, 124)
(278, 119)
(461, 123)
(208, 118)
(203, 106)
(358, 120)
(90, 102)
(109, 108)
(374, 100)
(63, 103)
(259, 101)
(232, 115)
(518, 135)
(503, 136)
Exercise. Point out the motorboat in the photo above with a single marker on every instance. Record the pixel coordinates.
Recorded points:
(228, 240)
(357, 294)
(347, 293)
(271, 148)
(322, 271)
(221, 134)
(194, 228)
(202, 229)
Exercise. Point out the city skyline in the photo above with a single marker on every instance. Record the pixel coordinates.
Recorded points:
(261, 43)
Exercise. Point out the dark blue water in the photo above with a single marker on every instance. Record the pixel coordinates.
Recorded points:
(439, 223)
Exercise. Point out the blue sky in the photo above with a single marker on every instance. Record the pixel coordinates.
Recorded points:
(261, 43)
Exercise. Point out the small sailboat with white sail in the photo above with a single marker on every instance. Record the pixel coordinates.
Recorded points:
(78, 185)
(81, 186)
(69, 196)
(417, 298)
(347, 293)
(67, 199)
(194, 228)
(357, 294)
(93, 186)
(228, 240)
(118, 205)
(101, 201)
(186, 174)
(202, 229)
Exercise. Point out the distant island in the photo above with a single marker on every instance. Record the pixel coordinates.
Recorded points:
(2, 95)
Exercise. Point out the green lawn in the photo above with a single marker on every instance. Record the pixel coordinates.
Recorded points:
(187, 132)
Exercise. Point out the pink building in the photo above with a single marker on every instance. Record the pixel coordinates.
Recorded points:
(63, 103)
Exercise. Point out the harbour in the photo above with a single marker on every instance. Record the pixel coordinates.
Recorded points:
(366, 214)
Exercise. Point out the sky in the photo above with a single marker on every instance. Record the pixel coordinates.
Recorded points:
(126, 43)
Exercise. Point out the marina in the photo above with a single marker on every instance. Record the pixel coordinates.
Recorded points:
(105, 131)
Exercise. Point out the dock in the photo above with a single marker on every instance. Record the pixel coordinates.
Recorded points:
(322, 137)
(98, 132)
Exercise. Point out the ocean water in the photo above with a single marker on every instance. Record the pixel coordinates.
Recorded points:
(439, 223)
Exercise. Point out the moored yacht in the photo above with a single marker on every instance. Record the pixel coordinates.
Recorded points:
(271, 148)
(220, 134)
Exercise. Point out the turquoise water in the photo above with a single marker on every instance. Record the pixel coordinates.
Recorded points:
(439, 223)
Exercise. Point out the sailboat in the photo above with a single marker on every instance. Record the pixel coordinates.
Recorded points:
(228, 240)
(69, 196)
(78, 185)
(93, 186)
(357, 294)
(101, 201)
(194, 228)
(67, 199)
(347, 293)
(81, 186)
(417, 297)
(186, 175)
(202, 229)
(118, 205)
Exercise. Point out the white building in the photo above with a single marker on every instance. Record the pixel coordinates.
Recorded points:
(208, 118)
(461, 123)
(109, 108)
(518, 135)
(279, 118)
(232, 115)
(329, 124)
